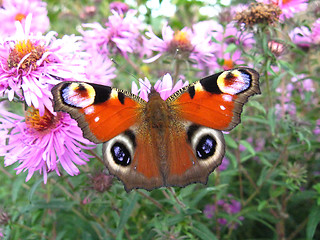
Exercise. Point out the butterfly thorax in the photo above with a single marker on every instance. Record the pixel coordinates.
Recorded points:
(156, 112)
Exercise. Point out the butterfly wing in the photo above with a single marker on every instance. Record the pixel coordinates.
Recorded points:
(206, 107)
(113, 117)
(133, 157)
(102, 112)
(193, 155)
(216, 101)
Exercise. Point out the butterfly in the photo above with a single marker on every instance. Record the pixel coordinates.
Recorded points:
(156, 143)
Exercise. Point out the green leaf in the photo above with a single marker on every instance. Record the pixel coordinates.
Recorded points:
(257, 105)
(16, 186)
(126, 212)
(313, 221)
(248, 146)
(202, 231)
(272, 120)
(231, 48)
(230, 142)
(34, 188)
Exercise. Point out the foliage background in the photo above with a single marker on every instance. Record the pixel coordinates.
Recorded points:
(277, 186)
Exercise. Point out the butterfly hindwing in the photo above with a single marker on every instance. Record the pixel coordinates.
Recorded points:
(102, 112)
(132, 157)
(193, 156)
(216, 101)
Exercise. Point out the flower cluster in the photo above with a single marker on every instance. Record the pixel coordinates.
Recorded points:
(228, 206)
(300, 85)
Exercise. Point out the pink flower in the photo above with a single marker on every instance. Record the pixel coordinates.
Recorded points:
(227, 206)
(301, 36)
(224, 165)
(121, 35)
(43, 143)
(18, 10)
(164, 87)
(119, 7)
(99, 69)
(229, 59)
(315, 35)
(188, 44)
(231, 34)
(31, 64)
(288, 7)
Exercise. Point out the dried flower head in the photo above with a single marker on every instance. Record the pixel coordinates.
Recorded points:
(295, 175)
(4, 217)
(101, 182)
(258, 13)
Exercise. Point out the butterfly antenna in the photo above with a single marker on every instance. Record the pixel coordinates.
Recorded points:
(137, 79)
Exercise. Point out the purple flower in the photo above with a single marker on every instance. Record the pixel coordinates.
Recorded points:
(301, 36)
(31, 64)
(119, 7)
(224, 165)
(228, 206)
(18, 10)
(164, 87)
(316, 131)
(209, 210)
(121, 35)
(43, 143)
(315, 35)
(99, 69)
(230, 60)
(230, 34)
(188, 44)
(222, 221)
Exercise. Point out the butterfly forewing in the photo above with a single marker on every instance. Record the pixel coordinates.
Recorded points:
(216, 101)
(102, 112)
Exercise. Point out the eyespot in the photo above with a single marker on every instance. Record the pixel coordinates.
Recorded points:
(121, 154)
(206, 142)
(118, 152)
(206, 147)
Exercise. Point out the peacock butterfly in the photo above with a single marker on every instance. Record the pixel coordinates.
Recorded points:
(172, 142)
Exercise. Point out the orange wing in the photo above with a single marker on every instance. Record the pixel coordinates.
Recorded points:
(216, 101)
(133, 157)
(102, 112)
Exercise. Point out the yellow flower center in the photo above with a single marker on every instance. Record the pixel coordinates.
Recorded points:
(181, 44)
(20, 50)
(41, 123)
(228, 64)
(19, 17)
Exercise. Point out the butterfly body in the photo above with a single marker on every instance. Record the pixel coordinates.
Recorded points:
(155, 143)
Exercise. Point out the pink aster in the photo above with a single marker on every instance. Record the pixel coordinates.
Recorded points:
(288, 7)
(164, 87)
(315, 35)
(229, 60)
(43, 143)
(301, 36)
(18, 10)
(231, 34)
(121, 35)
(99, 69)
(31, 64)
(192, 44)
